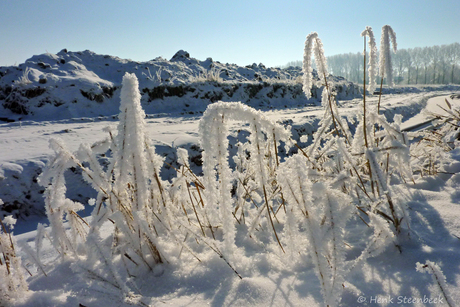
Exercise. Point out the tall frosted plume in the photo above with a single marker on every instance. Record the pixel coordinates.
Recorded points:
(306, 67)
(372, 58)
(313, 44)
(385, 65)
(131, 139)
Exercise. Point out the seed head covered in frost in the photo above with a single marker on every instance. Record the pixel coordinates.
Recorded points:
(313, 43)
(306, 67)
(372, 58)
(385, 65)
(320, 60)
(131, 138)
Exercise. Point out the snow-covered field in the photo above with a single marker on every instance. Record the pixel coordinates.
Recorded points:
(269, 277)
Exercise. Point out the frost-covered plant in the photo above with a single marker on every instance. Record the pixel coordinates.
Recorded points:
(438, 278)
(210, 75)
(313, 45)
(13, 284)
(140, 206)
(381, 139)
(376, 157)
(433, 145)
(329, 187)
(345, 154)
(372, 58)
(449, 123)
(331, 116)
(24, 79)
(263, 141)
(321, 211)
(284, 79)
(33, 256)
(154, 78)
(59, 208)
(131, 196)
(385, 65)
(316, 205)
(134, 163)
(337, 175)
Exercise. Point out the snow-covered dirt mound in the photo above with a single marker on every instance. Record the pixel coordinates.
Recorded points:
(85, 84)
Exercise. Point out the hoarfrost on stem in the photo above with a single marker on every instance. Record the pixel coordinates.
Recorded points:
(372, 58)
(313, 44)
(385, 65)
(438, 277)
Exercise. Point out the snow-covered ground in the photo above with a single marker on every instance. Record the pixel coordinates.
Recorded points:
(386, 279)
(269, 278)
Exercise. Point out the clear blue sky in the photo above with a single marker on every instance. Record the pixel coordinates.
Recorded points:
(240, 32)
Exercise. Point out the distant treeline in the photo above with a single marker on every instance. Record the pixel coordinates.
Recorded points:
(420, 65)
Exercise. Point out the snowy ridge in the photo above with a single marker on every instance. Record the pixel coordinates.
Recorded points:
(85, 84)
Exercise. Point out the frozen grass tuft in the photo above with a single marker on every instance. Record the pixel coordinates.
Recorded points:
(13, 285)
(210, 75)
(24, 79)
(432, 146)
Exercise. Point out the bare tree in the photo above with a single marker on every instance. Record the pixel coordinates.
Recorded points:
(443, 63)
(416, 61)
(426, 61)
(399, 64)
(434, 55)
(453, 55)
(408, 62)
